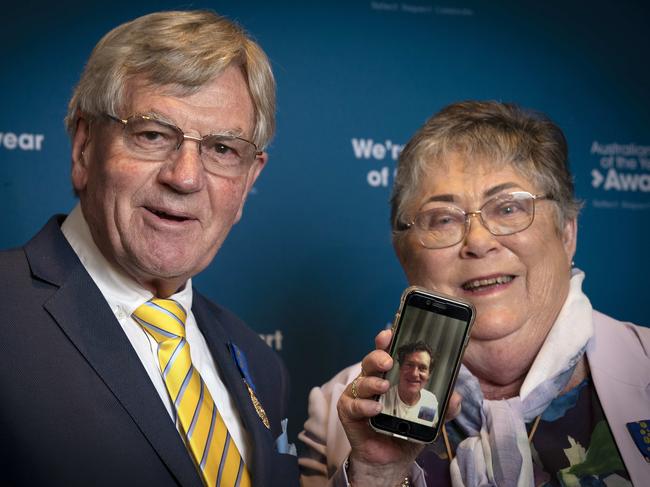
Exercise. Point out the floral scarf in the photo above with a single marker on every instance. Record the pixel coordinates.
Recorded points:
(496, 451)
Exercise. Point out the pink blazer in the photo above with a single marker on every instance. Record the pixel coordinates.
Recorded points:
(619, 359)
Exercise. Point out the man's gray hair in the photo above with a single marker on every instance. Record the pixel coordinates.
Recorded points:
(500, 133)
(180, 51)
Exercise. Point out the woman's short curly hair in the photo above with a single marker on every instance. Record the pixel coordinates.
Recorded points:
(502, 133)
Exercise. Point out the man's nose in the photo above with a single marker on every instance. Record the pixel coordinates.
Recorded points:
(184, 172)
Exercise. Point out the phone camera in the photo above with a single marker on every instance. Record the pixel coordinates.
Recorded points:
(428, 302)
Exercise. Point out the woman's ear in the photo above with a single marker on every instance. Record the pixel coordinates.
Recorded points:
(569, 239)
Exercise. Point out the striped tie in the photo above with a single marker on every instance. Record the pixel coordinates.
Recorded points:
(197, 417)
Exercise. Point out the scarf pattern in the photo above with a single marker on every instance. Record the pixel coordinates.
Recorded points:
(496, 451)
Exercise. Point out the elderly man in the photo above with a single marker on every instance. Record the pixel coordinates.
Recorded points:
(114, 370)
(408, 399)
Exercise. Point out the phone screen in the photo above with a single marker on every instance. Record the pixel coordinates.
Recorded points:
(427, 347)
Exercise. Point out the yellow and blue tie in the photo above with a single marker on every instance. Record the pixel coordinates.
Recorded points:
(196, 415)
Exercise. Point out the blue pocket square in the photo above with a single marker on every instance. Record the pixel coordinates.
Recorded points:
(282, 444)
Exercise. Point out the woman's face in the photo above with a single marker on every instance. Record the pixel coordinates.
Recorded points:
(518, 283)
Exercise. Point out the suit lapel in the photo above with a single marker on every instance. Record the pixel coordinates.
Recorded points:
(218, 342)
(80, 310)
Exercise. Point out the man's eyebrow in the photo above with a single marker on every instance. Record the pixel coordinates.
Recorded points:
(235, 132)
(156, 116)
(232, 132)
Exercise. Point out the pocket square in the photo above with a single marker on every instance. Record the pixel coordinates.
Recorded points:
(282, 444)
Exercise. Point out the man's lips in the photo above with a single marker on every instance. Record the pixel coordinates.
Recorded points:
(487, 282)
(170, 215)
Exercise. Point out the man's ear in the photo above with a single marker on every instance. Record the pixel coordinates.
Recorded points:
(251, 177)
(79, 173)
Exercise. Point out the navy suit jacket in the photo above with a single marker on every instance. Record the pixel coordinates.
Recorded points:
(76, 405)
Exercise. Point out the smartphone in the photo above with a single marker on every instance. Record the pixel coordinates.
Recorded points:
(430, 333)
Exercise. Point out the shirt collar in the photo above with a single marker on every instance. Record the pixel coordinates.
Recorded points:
(119, 289)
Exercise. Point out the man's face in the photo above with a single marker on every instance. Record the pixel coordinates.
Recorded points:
(163, 222)
(413, 373)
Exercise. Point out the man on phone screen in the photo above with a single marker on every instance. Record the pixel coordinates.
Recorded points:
(408, 399)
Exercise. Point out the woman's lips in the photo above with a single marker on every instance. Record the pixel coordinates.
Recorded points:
(487, 283)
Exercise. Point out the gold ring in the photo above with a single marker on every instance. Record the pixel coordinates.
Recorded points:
(355, 392)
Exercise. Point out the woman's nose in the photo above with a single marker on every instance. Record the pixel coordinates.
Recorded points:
(478, 240)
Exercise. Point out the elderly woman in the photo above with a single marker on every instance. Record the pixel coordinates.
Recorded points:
(483, 208)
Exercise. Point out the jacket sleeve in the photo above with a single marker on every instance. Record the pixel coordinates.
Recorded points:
(324, 446)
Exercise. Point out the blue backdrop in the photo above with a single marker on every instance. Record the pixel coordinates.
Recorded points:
(311, 266)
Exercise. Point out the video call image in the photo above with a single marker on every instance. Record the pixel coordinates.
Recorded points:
(424, 357)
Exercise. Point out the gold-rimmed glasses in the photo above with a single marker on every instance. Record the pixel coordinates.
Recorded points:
(151, 139)
(443, 226)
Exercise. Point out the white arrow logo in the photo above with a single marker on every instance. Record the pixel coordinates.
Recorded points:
(597, 178)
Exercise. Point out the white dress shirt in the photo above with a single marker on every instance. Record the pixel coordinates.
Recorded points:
(124, 296)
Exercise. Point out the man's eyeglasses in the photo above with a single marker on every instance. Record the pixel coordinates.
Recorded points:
(444, 226)
(150, 139)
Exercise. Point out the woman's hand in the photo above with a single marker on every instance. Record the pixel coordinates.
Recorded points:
(376, 459)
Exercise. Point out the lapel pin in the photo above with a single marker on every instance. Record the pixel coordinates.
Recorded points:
(242, 365)
(640, 432)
